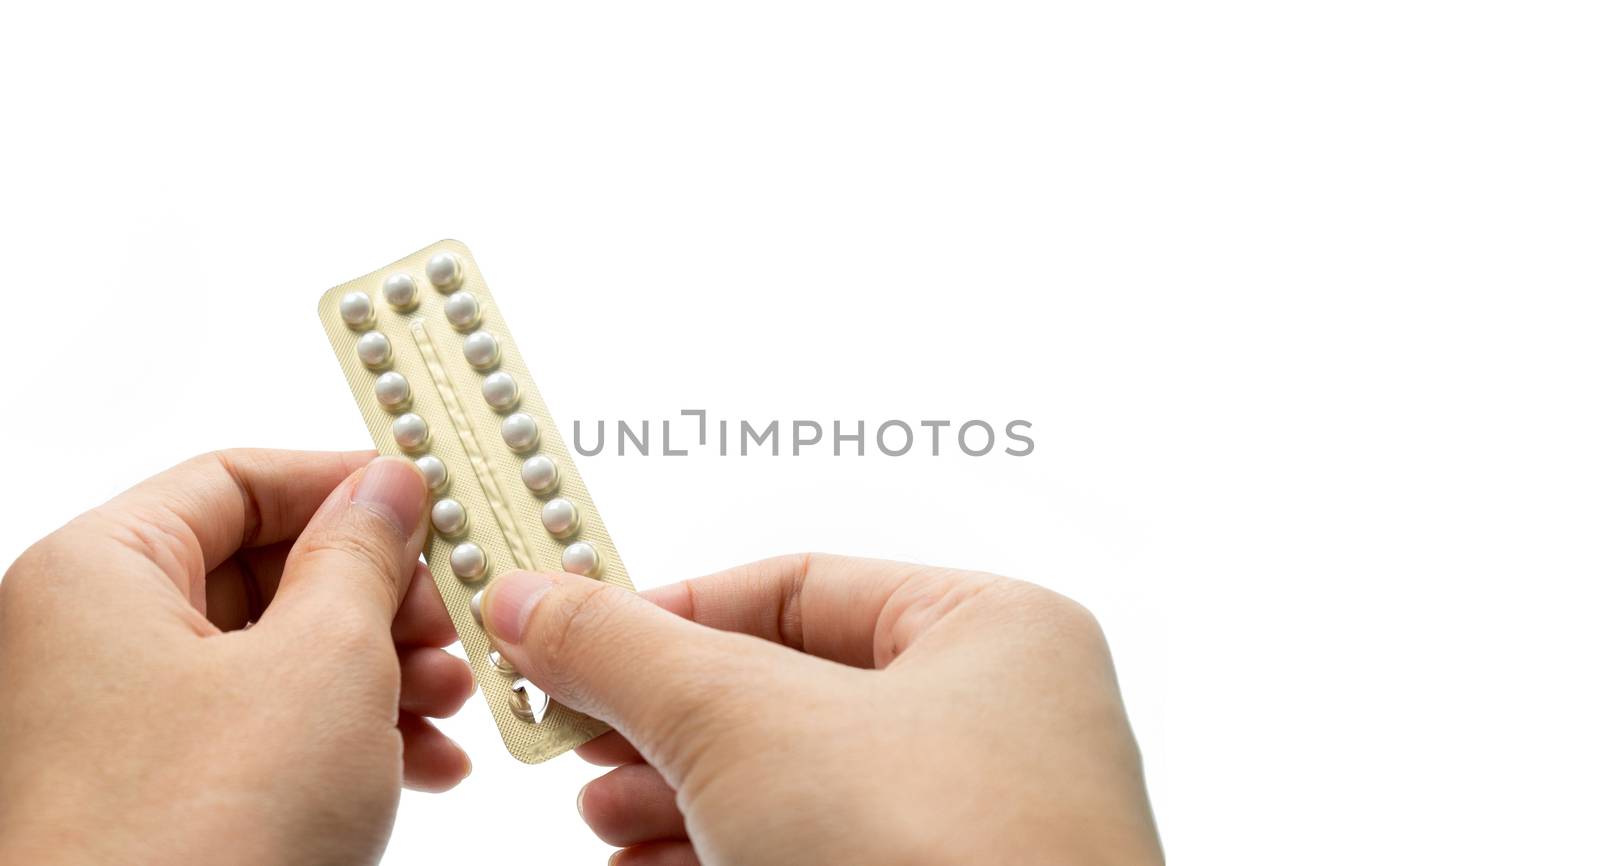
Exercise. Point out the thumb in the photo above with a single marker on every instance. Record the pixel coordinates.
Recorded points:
(351, 565)
(662, 680)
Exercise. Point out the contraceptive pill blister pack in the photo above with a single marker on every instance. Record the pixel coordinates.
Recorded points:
(439, 380)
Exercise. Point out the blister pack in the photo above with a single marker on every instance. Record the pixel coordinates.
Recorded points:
(439, 380)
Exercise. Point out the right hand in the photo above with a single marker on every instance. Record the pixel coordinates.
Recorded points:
(817, 709)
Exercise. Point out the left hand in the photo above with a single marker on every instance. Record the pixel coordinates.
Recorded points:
(142, 723)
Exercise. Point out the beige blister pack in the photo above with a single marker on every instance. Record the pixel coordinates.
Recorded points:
(440, 381)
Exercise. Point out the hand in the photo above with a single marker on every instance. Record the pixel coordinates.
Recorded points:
(826, 710)
(142, 723)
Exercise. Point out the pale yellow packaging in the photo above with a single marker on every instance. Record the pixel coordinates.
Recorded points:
(433, 339)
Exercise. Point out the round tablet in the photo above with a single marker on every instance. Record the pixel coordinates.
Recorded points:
(393, 391)
(500, 390)
(560, 517)
(400, 290)
(449, 517)
(527, 702)
(477, 606)
(461, 309)
(356, 309)
(482, 349)
(434, 472)
(444, 271)
(520, 431)
(580, 557)
(539, 473)
(373, 349)
(501, 663)
(469, 563)
(410, 432)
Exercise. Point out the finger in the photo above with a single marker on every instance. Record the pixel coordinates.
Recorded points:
(433, 682)
(656, 854)
(355, 559)
(629, 805)
(177, 526)
(675, 686)
(217, 503)
(433, 762)
(422, 619)
(862, 612)
(239, 590)
(610, 749)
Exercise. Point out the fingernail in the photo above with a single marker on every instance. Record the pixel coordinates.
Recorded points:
(512, 598)
(393, 489)
(580, 797)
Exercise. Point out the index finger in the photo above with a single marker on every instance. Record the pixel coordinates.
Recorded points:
(217, 503)
(862, 612)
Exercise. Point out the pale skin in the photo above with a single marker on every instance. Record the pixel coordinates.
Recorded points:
(806, 709)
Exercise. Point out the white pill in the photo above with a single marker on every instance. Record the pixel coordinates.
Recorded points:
(469, 563)
(449, 517)
(400, 290)
(434, 472)
(539, 473)
(410, 432)
(444, 271)
(477, 606)
(520, 431)
(482, 349)
(393, 391)
(356, 309)
(560, 517)
(580, 557)
(373, 349)
(501, 663)
(527, 702)
(461, 309)
(500, 390)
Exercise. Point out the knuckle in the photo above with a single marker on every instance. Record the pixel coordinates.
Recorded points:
(705, 699)
(352, 657)
(353, 557)
(233, 459)
(1069, 628)
(1068, 614)
(1063, 614)
(351, 635)
(41, 564)
(221, 456)
(231, 455)
(236, 464)
(563, 631)
(26, 570)
(1075, 613)
(709, 723)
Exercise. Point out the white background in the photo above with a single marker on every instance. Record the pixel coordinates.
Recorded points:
(1301, 301)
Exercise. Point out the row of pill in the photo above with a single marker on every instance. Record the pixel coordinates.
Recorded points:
(400, 291)
(467, 559)
(519, 430)
(449, 517)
